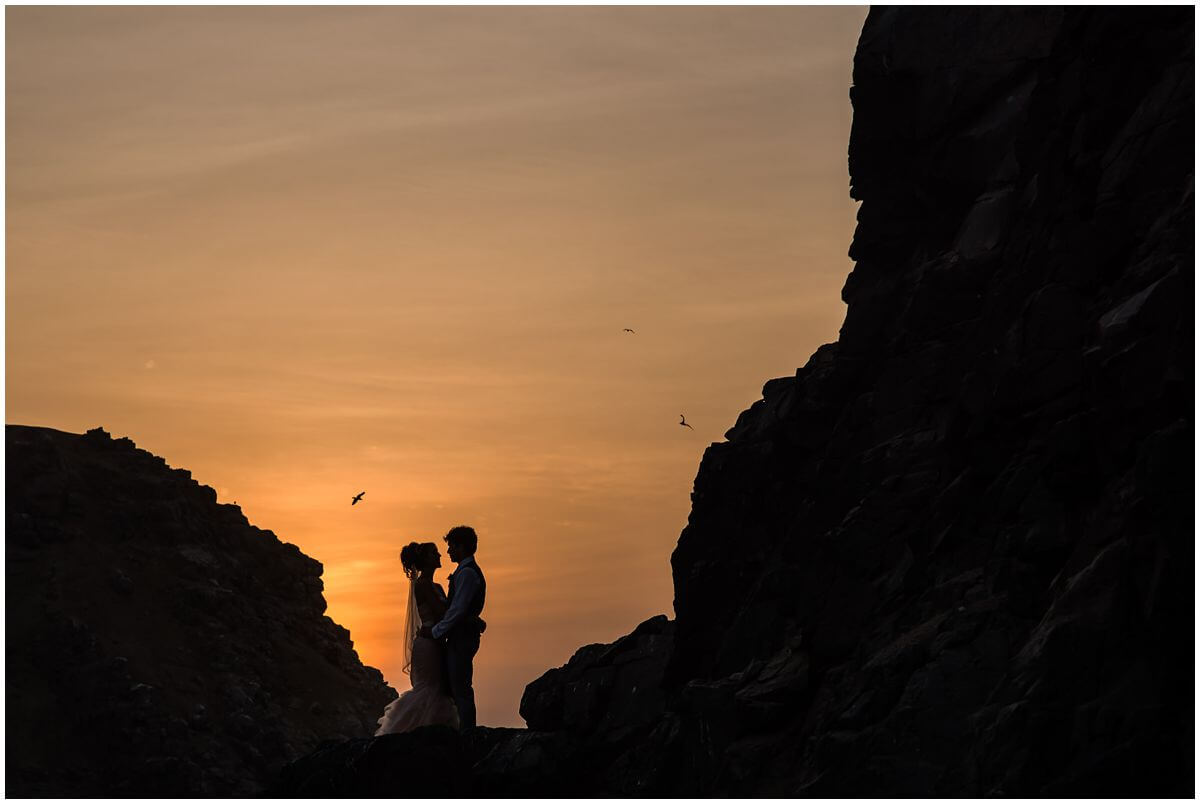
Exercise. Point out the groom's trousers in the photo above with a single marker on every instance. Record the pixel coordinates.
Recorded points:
(461, 646)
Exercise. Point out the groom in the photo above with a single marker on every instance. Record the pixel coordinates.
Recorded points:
(461, 625)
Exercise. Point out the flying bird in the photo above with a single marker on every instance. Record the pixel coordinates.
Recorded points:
(683, 422)
(357, 497)
(627, 329)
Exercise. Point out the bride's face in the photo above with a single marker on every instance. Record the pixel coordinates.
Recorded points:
(434, 558)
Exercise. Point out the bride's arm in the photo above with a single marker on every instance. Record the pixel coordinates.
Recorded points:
(432, 599)
(428, 596)
(439, 602)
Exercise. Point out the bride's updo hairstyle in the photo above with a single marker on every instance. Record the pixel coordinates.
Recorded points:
(412, 557)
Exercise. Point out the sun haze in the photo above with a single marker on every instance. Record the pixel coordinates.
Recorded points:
(306, 252)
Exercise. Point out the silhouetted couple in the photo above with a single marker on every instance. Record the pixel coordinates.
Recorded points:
(441, 636)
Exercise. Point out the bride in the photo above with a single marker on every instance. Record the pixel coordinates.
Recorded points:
(429, 701)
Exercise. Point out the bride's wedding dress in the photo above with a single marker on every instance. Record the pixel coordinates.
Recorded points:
(429, 701)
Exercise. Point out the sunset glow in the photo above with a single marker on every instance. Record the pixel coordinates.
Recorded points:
(306, 252)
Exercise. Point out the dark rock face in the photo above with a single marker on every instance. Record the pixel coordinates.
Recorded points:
(611, 689)
(438, 762)
(972, 515)
(425, 763)
(157, 643)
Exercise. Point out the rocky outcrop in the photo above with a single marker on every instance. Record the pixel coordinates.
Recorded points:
(952, 555)
(972, 515)
(437, 762)
(158, 644)
(613, 690)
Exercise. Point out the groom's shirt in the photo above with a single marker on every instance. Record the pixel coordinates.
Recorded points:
(466, 587)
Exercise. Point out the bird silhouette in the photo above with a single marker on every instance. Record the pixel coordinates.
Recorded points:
(627, 329)
(357, 497)
(683, 422)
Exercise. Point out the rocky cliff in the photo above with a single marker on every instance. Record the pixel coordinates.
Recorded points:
(972, 515)
(158, 644)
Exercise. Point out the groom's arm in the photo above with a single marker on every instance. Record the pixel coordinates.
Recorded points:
(465, 589)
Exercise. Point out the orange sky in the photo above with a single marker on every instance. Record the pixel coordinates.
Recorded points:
(305, 252)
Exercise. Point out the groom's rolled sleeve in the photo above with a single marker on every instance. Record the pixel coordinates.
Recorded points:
(465, 590)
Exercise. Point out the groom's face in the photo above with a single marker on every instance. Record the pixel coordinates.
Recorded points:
(455, 551)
